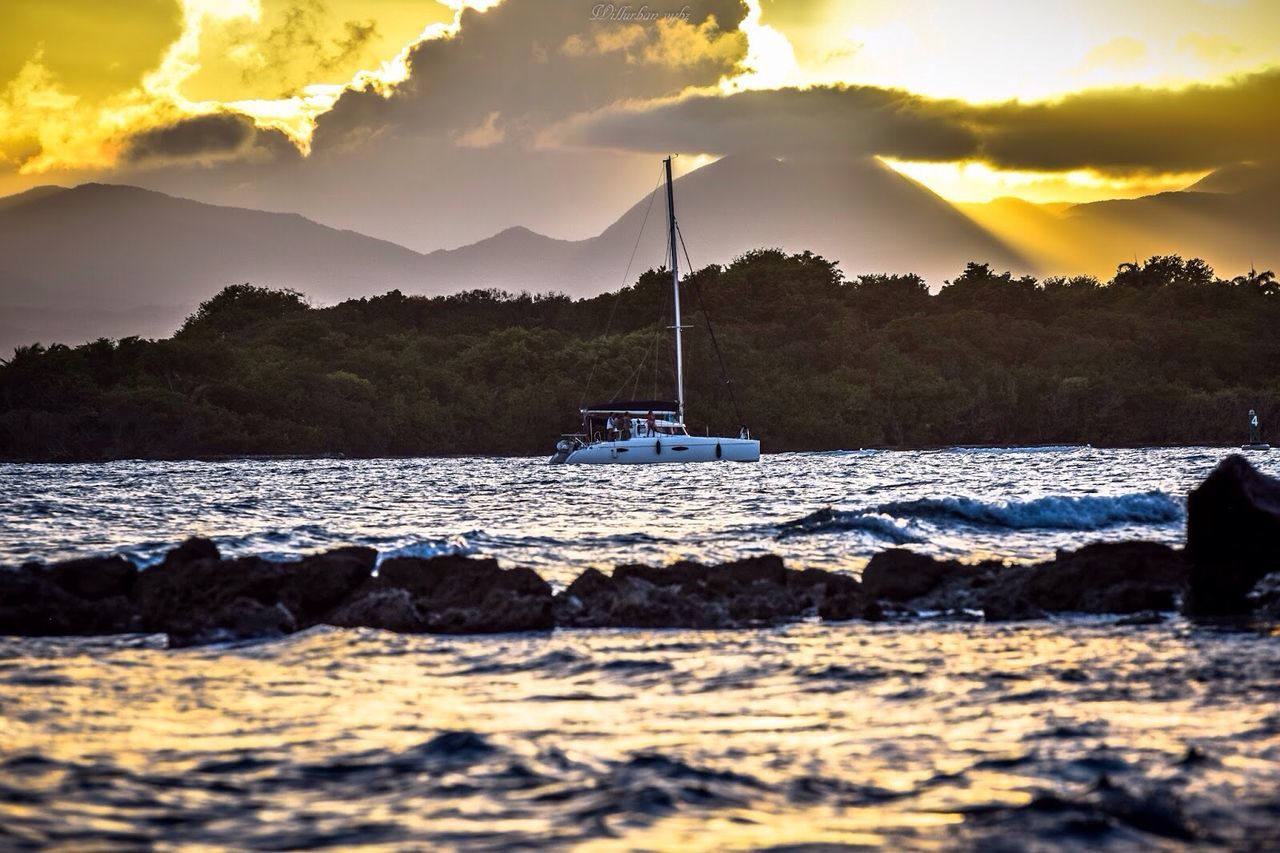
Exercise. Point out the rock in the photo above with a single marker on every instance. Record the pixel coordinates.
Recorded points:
(315, 585)
(94, 578)
(1109, 577)
(753, 591)
(900, 575)
(845, 598)
(32, 604)
(239, 619)
(1233, 536)
(196, 596)
(389, 609)
(192, 550)
(450, 594)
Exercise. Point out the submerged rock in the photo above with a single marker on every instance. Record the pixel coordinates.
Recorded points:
(749, 592)
(1233, 536)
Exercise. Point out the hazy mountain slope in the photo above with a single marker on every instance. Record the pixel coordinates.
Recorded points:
(111, 260)
(86, 253)
(857, 212)
(1230, 218)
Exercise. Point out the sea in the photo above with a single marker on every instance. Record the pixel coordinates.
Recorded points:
(1077, 732)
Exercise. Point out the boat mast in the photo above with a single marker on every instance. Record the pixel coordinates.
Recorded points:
(675, 289)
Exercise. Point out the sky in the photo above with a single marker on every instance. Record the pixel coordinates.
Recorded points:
(434, 124)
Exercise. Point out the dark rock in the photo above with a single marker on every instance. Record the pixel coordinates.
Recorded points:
(900, 575)
(33, 605)
(753, 591)
(451, 595)
(192, 550)
(315, 585)
(239, 619)
(1233, 536)
(194, 597)
(1107, 577)
(845, 598)
(390, 609)
(94, 578)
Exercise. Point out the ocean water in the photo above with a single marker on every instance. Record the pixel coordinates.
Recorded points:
(826, 510)
(1080, 732)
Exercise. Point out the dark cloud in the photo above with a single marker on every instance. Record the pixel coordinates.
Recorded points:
(205, 138)
(858, 121)
(534, 63)
(1137, 130)
(1120, 131)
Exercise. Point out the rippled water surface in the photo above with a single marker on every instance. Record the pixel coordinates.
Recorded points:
(1086, 733)
(830, 510)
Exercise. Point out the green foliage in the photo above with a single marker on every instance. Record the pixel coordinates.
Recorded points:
(1164, 353)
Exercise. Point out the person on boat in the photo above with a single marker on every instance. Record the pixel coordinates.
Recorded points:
(613, 427)
(624, 424)
(651, 424)
(1255, 437)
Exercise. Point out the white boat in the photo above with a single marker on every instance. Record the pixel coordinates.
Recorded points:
(647, 432)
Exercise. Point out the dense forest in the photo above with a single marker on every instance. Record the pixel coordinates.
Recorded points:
(1165, 352)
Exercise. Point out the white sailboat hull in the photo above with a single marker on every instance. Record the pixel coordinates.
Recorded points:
(663, 449)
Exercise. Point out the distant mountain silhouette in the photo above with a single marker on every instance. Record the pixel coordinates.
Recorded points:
(1230, 218)
(106, 260)
(115, 260)
(110, 261)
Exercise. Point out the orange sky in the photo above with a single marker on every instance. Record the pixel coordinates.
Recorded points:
(81, 80)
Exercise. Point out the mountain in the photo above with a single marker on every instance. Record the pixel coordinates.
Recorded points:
(105, 260)
(858, 212)
(1230, 218)
(113, 260)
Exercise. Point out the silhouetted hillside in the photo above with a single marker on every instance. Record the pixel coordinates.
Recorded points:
(1166, 353)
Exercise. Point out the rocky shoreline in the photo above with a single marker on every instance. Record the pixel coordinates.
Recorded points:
(1230, 568)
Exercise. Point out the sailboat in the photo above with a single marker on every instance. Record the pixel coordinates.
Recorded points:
(647, 432)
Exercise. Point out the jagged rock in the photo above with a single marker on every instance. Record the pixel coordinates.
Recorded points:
(314, 585)
(451, 594)
(752, 591)
(844, 598)
(239, 619)
(192, 550)
(95, 578)
(1106, 577)
(32, 604)
(897, 574)
(390, 609)
(188, 597)
(1233, 536)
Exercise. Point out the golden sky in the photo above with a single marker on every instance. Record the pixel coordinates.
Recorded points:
(103, 90)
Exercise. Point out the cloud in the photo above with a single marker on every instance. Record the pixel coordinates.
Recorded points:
(205, 139)
(536, 63)
(1210, 49)
(1121, 52)
(1119, 131)
(858, 120)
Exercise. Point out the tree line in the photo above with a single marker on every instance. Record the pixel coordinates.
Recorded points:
(1165, 352)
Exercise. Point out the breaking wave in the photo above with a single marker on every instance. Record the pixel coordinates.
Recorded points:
(895, 521)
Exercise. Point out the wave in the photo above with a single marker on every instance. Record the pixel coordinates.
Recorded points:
(897, 521)
(1052, 512)
(829, 520)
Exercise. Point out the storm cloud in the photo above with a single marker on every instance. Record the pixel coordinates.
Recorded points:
(1119, 131)
(205, 138)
